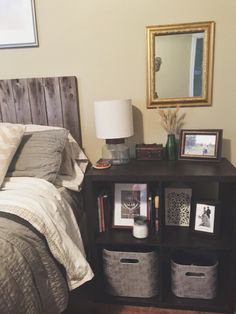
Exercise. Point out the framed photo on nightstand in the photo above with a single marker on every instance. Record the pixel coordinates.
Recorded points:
(130, 201)
(204, 218)
(200, 144)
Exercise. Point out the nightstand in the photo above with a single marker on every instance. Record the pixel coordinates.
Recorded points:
(207, 180)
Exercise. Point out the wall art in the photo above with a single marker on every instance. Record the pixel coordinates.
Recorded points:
(17, 24)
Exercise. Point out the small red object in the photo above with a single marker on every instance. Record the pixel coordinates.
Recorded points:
(102, 164)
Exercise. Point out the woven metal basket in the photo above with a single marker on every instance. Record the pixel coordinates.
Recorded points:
(131, 274)
(194, 277)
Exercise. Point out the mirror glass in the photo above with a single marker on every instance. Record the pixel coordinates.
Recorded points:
(179, 62)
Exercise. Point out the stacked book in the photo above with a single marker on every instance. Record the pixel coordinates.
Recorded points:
(104, 212)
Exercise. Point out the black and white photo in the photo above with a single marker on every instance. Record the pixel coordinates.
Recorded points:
(130, 201)
(204, 218)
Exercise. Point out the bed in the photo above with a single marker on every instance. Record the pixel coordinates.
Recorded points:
(42, 220)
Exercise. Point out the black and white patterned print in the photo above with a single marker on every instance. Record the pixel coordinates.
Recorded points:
(177, 206)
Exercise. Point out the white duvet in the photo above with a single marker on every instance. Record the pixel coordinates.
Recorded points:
(40, 203)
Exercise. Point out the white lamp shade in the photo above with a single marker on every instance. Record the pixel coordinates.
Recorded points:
(113, 118)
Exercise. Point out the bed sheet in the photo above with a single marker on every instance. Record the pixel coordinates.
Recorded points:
(41, 204)
(76, 201)
(31, 281)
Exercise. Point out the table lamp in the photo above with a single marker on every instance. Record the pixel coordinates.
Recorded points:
(114, 123)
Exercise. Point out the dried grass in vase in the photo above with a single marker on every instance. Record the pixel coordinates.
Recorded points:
(170, 121)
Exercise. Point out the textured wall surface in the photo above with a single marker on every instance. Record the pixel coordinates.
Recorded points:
(102, 43)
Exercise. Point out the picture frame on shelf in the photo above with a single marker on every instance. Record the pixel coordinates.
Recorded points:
(200, 144)
(204, 218)
(177, 206)
(130, 200)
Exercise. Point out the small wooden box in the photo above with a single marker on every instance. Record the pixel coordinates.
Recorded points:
(149, 152)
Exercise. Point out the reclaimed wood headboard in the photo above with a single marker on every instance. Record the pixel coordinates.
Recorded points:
(48, 101)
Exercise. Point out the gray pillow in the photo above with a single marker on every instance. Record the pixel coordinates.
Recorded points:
(39, 155)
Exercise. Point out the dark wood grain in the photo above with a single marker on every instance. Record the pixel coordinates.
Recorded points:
(47, 101)
(93, 308)
(52, 96)
(37, 101)
(214, 180)
(152, 170)
(81, 301)
(21, 101)
(8, 112)
(69, 103)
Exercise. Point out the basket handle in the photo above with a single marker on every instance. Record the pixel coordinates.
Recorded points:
(129, 261)
(193, 274)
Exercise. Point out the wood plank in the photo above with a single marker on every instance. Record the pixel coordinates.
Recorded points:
(37, 101)
(88, 307)
(8, 112)
(21, 100)
(126, 309)
(70, 108)
(82, 300)
(53, 101)
(48, 101)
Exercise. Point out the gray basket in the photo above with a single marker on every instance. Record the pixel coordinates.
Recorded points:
(130, 274)
(195, 279)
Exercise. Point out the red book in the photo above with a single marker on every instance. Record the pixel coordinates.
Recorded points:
(99, 215)
(102, 213)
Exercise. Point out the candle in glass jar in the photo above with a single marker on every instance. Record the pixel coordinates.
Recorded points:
(140, 227)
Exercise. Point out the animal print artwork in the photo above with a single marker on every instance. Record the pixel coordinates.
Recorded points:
(177, 206)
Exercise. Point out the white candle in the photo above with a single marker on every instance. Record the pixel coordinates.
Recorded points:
(140, 227)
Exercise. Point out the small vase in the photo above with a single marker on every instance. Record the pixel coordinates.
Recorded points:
(171, 147)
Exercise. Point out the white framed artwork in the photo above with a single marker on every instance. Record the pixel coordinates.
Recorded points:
(17, 24)
(130, 200)
(204, 218)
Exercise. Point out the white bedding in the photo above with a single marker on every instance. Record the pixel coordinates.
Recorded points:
(39, 202)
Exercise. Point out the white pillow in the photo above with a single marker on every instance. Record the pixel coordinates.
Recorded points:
(10, 138)
(74, 161)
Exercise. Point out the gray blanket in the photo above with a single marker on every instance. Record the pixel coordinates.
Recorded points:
(30, 280)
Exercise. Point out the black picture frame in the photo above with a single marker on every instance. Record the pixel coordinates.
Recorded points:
(205, 219)
(200, 144)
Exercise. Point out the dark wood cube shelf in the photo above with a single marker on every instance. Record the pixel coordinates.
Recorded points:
(214, 181)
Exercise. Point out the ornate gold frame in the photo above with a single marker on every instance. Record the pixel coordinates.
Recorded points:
(207, 80)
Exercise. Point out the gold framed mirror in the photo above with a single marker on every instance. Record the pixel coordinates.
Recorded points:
(180, 64)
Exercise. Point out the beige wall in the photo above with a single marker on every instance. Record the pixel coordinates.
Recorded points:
(102, 42)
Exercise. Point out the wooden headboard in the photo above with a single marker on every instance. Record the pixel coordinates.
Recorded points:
(48, 101)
